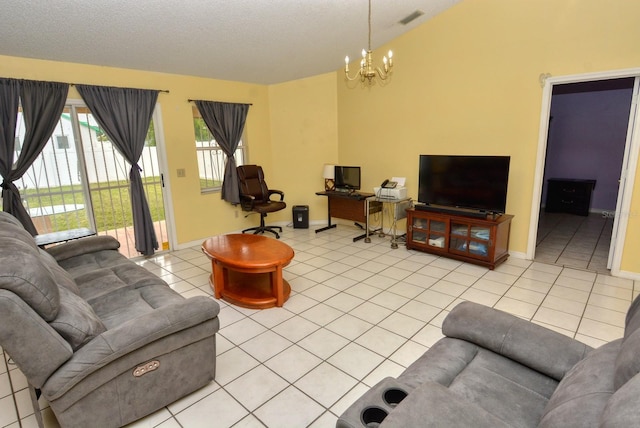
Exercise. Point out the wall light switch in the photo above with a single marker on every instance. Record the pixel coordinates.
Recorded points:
(181, 172)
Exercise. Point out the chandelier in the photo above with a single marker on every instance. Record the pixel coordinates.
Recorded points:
(367, 71)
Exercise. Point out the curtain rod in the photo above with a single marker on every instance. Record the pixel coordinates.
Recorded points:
(75, 84)
(166, 91)
(190, 101)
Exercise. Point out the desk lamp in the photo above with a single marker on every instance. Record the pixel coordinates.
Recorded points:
(329, 176)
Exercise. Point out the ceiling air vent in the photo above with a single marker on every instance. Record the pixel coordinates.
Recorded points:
(414, 15)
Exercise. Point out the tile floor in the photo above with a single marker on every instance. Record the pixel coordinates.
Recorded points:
(357, 313)
(574, 241)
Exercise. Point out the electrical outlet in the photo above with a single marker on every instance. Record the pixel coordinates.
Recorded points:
(181, 172)
(236, 214)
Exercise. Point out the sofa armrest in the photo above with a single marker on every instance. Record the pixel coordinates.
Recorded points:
(434, 405)
(532, 345)
(81, 246)
(127, 338)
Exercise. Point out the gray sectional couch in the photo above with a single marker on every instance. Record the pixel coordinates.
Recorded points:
(495, 370)
(105, 341)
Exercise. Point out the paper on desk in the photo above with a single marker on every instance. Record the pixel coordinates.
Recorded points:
(399, 180)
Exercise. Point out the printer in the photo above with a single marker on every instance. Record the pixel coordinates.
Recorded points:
(396, 191)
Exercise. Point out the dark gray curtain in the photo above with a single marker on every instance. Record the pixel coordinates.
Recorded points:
(226, 122)
(125, 114)
(42, 105)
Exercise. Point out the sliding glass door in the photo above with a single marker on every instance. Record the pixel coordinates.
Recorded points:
(80, 180)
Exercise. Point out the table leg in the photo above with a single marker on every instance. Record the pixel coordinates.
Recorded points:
(277, 286)
(329, 225)
(366, 213)
(218, 278)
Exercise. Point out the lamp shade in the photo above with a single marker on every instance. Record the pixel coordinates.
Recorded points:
(329, 171)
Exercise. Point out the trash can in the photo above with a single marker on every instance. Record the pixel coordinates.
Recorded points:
(300, 216)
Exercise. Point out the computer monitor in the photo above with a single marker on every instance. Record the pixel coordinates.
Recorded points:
(347, 178)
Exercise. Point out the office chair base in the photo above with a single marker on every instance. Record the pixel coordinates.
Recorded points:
(262, 229)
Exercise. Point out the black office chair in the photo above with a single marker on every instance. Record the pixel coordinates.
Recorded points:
(255, 196)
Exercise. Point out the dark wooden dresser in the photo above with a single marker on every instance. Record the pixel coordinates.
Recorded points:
(566, 195)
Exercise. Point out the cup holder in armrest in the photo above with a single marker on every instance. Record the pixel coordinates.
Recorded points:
(371, 409)
(372, 417)
(394, 396)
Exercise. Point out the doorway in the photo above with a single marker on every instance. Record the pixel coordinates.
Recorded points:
(586, 132)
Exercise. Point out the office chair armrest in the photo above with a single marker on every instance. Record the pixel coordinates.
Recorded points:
(246, 202)
(276, 192)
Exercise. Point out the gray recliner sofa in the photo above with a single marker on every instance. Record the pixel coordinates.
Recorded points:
(493, 369)
(104, 340)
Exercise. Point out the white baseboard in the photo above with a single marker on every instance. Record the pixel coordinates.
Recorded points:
(518, 255)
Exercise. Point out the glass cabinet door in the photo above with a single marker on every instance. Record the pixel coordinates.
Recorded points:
(419, 227)
(470, 239)
(437, 233)
(429, 232)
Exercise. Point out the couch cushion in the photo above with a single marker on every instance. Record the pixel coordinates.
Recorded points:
(628, 362)
(23, 273)
(582, 395)
(60, 276)
(76, 320)
(5, 217)
(17, 232)
(88, 263)
(502, 387)
(126, 304)
(622, 407)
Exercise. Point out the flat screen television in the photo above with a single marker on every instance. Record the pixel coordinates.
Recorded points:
(468, 182)
(347, 178)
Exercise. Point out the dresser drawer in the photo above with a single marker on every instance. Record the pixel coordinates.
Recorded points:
(569, 195)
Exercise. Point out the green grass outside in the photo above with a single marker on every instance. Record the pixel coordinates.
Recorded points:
(112, 207)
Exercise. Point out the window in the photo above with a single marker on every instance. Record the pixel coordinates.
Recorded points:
(62, 142)
(211, 158)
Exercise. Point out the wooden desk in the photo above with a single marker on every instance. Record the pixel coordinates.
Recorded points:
(349, 206)
(247, 269)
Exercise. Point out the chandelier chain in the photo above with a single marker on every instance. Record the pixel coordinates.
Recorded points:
(369, 25)
(367, 71)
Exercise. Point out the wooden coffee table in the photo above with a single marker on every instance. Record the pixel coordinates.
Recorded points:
(247, 269)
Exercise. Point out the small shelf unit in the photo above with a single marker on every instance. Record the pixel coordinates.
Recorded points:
(483, 241)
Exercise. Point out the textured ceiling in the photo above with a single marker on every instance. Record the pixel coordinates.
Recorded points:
(257, 41)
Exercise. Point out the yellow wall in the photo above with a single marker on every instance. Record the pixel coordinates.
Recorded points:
(467, 82)
(304, 135)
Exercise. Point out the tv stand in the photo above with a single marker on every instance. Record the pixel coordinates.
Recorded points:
(483, 241)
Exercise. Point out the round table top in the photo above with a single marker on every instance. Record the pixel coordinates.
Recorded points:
(247, 250)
